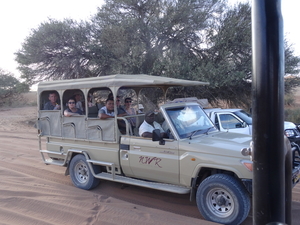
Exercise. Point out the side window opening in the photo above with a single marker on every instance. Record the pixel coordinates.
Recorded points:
(50, 100)
(78, 96)
(229, 121)
(96, 100)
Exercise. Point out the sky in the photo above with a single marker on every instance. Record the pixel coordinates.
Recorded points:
(19, 17)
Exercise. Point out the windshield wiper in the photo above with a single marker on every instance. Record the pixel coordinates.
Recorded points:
(195, 131)
(208, 129)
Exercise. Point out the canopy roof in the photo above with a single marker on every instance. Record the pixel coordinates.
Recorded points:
(117, 81)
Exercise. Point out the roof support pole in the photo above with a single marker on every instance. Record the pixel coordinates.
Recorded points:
(268, 111)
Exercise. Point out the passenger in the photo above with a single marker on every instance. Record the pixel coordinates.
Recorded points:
(121, 110)
(52, 104)
(78, 98)
(72, 110)
(149, 125)
(141, 108)
(90, 102)
(107, 111)
(130, 111)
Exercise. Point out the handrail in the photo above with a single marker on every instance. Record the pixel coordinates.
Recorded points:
(48, 119)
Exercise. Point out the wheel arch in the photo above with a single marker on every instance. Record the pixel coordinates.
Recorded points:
(204, 172)
(70, 155)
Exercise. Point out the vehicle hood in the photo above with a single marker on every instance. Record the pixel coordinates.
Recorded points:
(289, 125)
(219, 143)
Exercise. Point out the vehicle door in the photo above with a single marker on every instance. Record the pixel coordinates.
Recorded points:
(151, 160)
(230, 122)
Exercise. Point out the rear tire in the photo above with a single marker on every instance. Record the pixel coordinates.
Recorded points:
(223, 199)
(81, 174)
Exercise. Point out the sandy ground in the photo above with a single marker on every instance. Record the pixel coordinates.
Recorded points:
(32, 193)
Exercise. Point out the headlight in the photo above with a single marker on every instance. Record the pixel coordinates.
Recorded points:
(289, 133)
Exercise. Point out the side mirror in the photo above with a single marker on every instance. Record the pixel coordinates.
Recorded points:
(156, 135)
(241, 125)
(238, 125)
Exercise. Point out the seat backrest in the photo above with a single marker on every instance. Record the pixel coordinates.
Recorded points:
(93, 111)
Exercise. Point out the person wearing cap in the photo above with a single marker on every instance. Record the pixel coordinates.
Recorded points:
(149, 125)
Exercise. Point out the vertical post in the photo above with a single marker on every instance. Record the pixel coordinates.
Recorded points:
(268, 111)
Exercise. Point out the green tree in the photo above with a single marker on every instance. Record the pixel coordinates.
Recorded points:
(10, 88)
(227, 64)
(190, 39)
(142, 36)
(56, 50)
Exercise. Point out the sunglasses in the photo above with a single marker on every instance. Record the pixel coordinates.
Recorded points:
(128, 101)
(71, 102)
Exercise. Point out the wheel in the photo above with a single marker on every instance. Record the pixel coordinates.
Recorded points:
(81, 174)
(223, 199)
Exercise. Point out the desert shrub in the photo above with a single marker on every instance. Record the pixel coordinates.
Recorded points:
(292, 115)
(11, 88)
(289, 99)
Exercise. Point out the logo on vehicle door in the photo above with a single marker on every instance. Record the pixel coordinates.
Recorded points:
(149, 160)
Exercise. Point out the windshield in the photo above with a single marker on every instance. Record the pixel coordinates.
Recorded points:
(190, 120)
(244, 116)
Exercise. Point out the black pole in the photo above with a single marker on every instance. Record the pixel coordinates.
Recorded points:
(268, 108)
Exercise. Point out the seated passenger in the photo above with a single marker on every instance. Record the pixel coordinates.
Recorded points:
(78, 98)
(141, 108)
(107, 111)
(90, 102)
(149, 125)
(130, 111)
(72, 110)
(121, 111)
(52, 104)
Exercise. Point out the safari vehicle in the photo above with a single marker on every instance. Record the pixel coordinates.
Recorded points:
(195, 159)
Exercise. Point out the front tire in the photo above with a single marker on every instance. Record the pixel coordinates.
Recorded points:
(223, 199)
(81, 174)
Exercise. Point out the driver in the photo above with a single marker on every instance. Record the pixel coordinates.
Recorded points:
(149, 125)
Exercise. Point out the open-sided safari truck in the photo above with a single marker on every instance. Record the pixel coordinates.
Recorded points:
(195, 158)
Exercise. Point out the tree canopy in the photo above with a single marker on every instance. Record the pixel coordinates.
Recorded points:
(191, 39)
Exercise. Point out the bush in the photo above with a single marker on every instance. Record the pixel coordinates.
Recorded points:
(10, 88)
(289, 100)
(292, 115)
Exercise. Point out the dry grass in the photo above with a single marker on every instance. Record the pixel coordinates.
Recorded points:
(30, 98)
